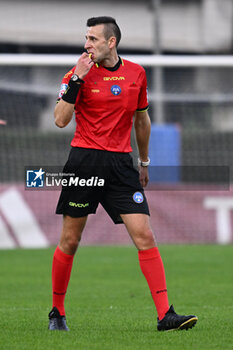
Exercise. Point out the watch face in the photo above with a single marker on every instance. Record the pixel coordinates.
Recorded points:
(74, 77)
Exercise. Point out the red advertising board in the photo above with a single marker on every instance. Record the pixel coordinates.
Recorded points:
(178, 215)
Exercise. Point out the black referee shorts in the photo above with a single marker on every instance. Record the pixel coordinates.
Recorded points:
(96, 176)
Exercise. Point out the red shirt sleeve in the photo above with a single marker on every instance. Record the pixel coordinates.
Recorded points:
(143, 94)
(65, 82)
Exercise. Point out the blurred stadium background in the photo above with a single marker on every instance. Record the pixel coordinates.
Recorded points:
(186, 47)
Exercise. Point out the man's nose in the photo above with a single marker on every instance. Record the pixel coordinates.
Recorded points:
(87, 44)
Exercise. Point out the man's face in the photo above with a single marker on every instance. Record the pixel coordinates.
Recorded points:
(96, 44)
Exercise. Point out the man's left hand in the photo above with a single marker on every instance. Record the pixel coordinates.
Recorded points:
(143, 175)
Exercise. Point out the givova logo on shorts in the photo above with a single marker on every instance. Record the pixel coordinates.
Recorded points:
(78, 205)
(138, 197)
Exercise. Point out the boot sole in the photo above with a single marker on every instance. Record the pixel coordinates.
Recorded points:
(188, 324)
(185, 325)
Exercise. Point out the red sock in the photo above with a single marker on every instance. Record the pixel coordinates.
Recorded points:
(61, 270)
(152, 267)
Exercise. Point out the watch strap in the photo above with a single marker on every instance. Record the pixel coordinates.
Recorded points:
(143, 164)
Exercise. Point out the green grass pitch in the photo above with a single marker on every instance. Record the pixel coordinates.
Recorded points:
(108, 304)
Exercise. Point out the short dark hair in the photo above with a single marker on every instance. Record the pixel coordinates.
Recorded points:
(111, 27)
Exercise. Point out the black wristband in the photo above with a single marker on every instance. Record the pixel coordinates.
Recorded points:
(71, 92)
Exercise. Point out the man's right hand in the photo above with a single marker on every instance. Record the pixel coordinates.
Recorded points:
(83, 66)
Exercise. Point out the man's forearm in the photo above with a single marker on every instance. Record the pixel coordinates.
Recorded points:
(142, 127)
(65, 107)
(63, 113)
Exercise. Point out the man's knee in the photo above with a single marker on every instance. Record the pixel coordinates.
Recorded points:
(69, 242)
(71, 234)
(139, 228)
(145, 239)
(72, 241)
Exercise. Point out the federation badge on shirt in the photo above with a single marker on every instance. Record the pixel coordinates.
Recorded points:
(115, 90)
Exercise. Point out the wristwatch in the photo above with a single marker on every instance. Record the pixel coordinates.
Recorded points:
(75, 78)
(143, 164)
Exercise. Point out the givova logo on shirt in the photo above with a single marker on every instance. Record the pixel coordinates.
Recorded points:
(113, 78)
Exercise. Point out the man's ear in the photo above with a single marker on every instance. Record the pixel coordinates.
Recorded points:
(112, 42)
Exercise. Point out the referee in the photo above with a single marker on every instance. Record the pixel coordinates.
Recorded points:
(106, 91)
